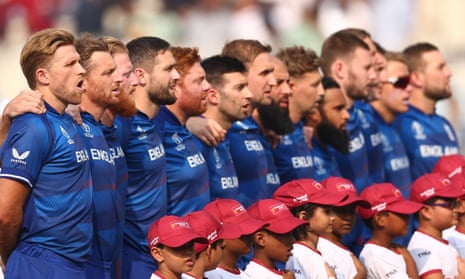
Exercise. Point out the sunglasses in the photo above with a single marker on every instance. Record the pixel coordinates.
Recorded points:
(399, 82)
(450, 204)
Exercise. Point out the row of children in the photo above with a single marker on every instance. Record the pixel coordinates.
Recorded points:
(303, 225)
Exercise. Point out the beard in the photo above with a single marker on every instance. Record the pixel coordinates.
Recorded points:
(438, 95)
(275, 118)
(161, 95)
(125, 107)
(330, 134)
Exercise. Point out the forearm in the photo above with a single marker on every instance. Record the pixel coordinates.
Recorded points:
(9, 233)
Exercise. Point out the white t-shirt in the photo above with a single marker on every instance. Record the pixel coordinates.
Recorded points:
(187, 276)
(433, 255)
(223, 273)
(456, 238)
(156, 275)
(338, 257)
(383, 263)
(306, 262)
(256, 269)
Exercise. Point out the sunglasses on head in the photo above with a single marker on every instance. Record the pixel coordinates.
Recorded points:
(399, 82)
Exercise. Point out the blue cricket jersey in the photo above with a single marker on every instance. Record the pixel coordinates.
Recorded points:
(104, 207)
(396, 163)
(224, 183)
(250, 161)
(47, 153)
(146, 199)
(354, 166)
(324, 162)
(186, 168)
(373, 141)
(272, 177)
(426, 138)
(293, 157)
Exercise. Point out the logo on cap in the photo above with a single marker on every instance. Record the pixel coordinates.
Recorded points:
(213, 235)
(317, 185)
(177, 225)
(427, 193)
(277, 208)
(445, 181)
(379, 207)
(345, 186)
(238, 210)
(301, 199)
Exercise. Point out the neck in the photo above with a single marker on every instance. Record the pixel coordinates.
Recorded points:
(333, 238)
(144, 104)
(294, 114)
(381, 239)
(429, 229)
(261, 256)
(229, 260)
(311, 239)
(108, 117)
(418, 100)
(168, 274)
(213, 113)
(91, 108)
(52, 100)
(178, 113)
(384, 112)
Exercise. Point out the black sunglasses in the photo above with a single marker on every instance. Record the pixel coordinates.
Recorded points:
(399, 82)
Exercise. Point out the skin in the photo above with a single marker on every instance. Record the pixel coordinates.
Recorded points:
(344, 220)
(234, 249)
(172, 262)
(307, 91)
(231, 102)
(261, 79)
(156, 87)
(270, 247)
(334, 107)
(281, 92)
(392, 101)
(191, 94)
(59, 85)
(431, 83)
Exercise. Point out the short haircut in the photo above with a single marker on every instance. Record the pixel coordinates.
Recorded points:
(185, 58)
(86, 45)
(358, 32)
(39, 49)
(339, 45)
(299, 60)
(395, 56)
(329, 83)
(245, 50)
(379, 48)
(114, 45)
(414, 55)
(217, 66)
(143, 50)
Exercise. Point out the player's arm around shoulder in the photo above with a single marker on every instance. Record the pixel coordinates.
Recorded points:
(412, 271)
(207, 130)
(361, 270)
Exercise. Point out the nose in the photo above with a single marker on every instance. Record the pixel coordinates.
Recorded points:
(205, 85)
(132, 79)
(345, 114)
(175, 74)
(272, 80)
(286, 89)
(320, 91)
(248, 95)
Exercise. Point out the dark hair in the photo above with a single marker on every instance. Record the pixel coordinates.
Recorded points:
(414, 55)
(217, 66)
(143, 50)
(340, 45)
(329, 83)
(379, 48)
(301, 231)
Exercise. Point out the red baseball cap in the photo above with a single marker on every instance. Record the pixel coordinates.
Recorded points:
(204, 224)
(434, 185)
(305, 190)
(276, 215)
(172, 231)
(229, 211)
(451, 165)
(344, 186)
(385, 197)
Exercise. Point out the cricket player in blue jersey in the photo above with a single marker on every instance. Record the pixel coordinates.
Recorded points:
(46, 185)
(293, 156)
(228, 101)
(146, 201)
(426, 135)
(186, 168)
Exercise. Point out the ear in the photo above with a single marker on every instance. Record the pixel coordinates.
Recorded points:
(461, 206)
(157, 254)
(302, 215)
(425, 212)
(259, 238)
(213, 96)
(42, 76)
(339, 69)
(379, 220)
(417, 79)
(140, 75)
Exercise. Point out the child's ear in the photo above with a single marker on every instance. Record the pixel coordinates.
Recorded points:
(379, 220)
(461, 206)
(157, 254)
(425, 212)
(259, 238)
(302, 215)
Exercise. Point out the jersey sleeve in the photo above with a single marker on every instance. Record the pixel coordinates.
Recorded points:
(25, 149)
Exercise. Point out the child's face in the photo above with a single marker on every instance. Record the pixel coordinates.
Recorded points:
(215, 256)
(240, 246)
(396, 224)
(322, 220)
(443, 213)
(344, 219)
(180, 259)
(278, 246)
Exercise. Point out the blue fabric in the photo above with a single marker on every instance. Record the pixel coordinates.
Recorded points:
(137, 265)
(47, 153)
(324, 161)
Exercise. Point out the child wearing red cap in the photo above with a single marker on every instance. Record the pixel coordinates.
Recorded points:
(330, 244)
(208, 255)
(171, 242)
(310, 202)
(229, 211)
(387, 217)
(273, 243)
(435, 257)
(453, 166)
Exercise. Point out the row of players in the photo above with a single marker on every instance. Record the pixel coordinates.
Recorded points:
(104, 183)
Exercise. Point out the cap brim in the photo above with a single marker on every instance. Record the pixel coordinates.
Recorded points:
(354, 199)
(404, 207)
(285, 225)
(180, 240)
(450, 192)
(230, 231)
(329, 198)
(250, 226)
